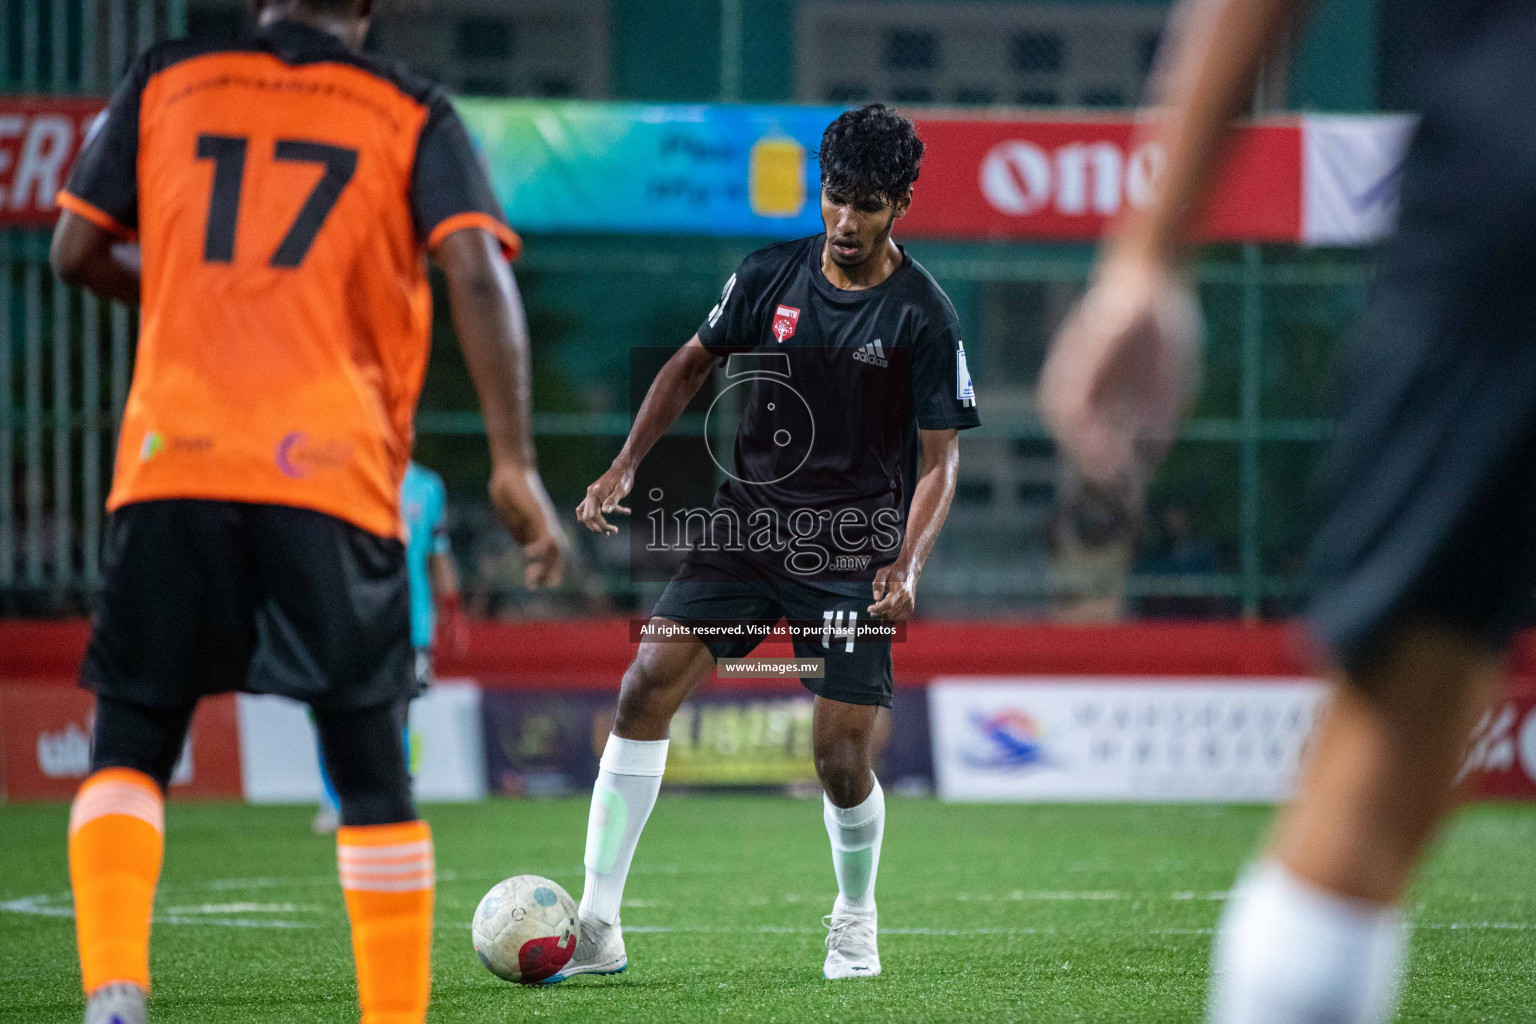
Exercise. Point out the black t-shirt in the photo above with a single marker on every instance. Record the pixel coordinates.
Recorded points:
(833, 386)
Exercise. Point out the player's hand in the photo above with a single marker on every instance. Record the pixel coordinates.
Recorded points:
(895, 592)
(518, 494)
(1121, 372)
(603, 499)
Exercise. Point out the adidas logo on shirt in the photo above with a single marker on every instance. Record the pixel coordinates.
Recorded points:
(873, 354)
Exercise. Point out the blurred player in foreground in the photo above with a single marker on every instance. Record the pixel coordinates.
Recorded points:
(285, 189)
(1426, 545)
(434, 585)
(845, 463)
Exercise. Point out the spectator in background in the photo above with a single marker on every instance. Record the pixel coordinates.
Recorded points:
(1177, 556)
(495, 570)
(1092, 541)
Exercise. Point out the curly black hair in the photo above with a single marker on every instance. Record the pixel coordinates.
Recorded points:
(870, 152)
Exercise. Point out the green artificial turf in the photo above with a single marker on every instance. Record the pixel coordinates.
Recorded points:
(988, 913)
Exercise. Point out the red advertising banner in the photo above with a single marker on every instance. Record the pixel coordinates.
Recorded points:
(40, 137)
(45, 745)
(1501, 760)
(1066, 179)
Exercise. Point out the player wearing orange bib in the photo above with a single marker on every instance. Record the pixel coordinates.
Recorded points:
(285, 190)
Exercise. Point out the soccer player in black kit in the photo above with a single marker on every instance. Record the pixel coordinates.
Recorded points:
(1424, 554)
(844, 469)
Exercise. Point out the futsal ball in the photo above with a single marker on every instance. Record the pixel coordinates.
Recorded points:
(525, 929)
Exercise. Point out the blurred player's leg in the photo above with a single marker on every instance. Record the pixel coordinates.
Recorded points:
(385, 858)
(116, 840)
(854, 813)
(1314, 932)
(328, 815)
(634, 759)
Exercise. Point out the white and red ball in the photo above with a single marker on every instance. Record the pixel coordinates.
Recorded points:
(525, 929)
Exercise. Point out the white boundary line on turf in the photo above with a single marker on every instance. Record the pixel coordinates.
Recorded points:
(60, 905)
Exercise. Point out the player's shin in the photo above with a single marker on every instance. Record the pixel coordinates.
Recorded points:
(1290, 953)
(387, 875)
(116, 841)
(856, 833)
(625, 792)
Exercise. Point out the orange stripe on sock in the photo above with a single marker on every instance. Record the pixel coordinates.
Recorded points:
(387, 877)
(115, 849)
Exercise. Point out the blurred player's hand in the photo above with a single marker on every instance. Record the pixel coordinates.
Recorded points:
(895, 592)
(518, 494)
(1121, 373)
(603, 498)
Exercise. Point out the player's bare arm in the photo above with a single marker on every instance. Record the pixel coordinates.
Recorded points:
(89, 256)
(1123, 368)
(493, 332)
(895, 585)
(669, 394)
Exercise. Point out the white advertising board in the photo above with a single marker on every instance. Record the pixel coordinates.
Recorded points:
(1037, 738)
(279, 762)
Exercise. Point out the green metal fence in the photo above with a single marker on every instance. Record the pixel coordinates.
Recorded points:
(64, 356)
(1240, 472)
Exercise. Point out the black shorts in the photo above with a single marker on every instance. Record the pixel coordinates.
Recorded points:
(202, 597)
(1428, 494)
(712, 587)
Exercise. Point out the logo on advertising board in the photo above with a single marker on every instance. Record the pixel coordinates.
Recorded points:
(1500, 761)
(785, 318)
(1113, 739)
(45, 744)
(742, 741)
(1020, 177)
(1006, 740)
(1492, 745)
(64, 754)
(1528, 746)
(39, 141)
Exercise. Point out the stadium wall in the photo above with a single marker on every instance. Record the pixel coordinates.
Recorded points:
(983, 711)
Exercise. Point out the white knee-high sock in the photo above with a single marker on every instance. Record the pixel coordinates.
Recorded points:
(1290, 953)
(627, 783)
(856, 833)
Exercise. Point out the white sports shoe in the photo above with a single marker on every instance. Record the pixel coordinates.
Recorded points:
(851, 949)
(599, 950)
(117, 1002)
(326, 821)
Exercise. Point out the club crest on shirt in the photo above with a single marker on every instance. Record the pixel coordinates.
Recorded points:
(785, 318)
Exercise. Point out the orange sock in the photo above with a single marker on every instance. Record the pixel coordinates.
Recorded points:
(116, 839)
(387, 876)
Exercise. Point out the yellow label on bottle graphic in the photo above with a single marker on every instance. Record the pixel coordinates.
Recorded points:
(777, 177)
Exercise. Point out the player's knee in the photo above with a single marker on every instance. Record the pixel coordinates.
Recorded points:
(372, 791)
(844, 770)
(365, 754)
(146, 739)
(648, 690)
